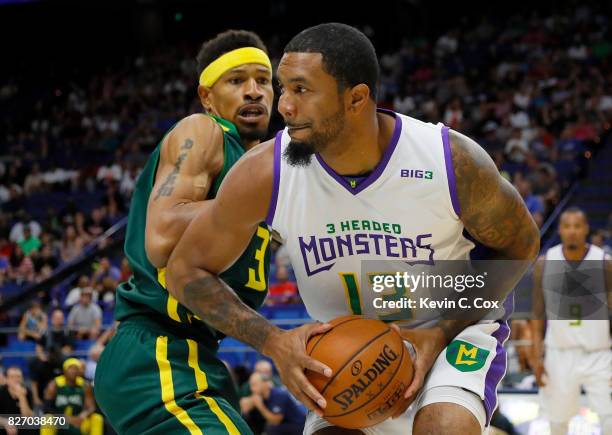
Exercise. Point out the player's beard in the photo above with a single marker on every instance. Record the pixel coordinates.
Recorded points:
(299, 153)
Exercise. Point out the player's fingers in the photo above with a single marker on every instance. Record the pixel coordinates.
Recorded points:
(316, 328)
(308, 389)
(307, 401)
(414, 387)
(316, 366)
(402, 409)
(417, 380)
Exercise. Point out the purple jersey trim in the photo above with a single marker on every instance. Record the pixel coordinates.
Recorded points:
(276, 180)
(379, 168)
(497, 370)
(450, 171)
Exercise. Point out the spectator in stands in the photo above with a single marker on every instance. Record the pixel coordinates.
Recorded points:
(254, 419)
(96, 224)
(72, 396)
(45, 257)
(33, 323)
(104, 269)
(283, 415)
(74, 295)
(517, 147)
(533, 203)
(22, 267)
(34, 180)
(598, 238)
(72, 245)
(85, 319)
(18, 230)
(281, 254)
(57, 339)
(29, 243)
(93, 355)
(96, 350)
(79, 225)
(107, 292)
(43, 368)
(283, 291)
(15, 399)
(126, 270)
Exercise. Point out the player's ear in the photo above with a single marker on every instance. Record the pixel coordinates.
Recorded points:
(204, 93)
(359, 96)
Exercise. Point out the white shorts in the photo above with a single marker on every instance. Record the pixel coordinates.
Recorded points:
(467, 373)
(567, 370)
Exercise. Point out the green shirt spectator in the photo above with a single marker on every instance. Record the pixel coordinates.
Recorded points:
(29, 243)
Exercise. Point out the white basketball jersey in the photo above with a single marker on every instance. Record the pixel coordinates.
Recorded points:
(406, 209)
(575, 293)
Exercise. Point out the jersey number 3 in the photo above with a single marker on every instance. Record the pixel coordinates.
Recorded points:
(257, 278)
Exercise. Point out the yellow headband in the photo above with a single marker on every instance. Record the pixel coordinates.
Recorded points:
(231, 60)
(71, 362)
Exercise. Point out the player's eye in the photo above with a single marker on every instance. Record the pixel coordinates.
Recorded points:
(263, 80)
(299, 89)
(236, 80)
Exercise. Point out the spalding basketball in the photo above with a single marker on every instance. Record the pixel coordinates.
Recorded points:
(371, 370)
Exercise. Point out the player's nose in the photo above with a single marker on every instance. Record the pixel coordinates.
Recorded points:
(285, 107)
(253, 90)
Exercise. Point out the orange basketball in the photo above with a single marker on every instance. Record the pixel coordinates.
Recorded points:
(371, 370)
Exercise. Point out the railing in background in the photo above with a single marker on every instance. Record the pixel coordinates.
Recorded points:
(103, 243)
(555, 215)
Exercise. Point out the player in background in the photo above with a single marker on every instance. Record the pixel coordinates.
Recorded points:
(362, 172)
(160, 373)
(575, 350)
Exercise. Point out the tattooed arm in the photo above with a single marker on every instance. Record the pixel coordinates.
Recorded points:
(493, 212)
(213, 241)
(190, 157)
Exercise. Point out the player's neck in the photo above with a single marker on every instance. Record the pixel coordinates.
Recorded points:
(575, 254)
(250, 144)
(360, 150)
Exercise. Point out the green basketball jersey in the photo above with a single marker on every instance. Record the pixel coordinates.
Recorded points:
(145, 292)
(70, 399)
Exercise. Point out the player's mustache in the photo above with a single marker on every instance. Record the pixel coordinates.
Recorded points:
(252, 107)
(296, 125)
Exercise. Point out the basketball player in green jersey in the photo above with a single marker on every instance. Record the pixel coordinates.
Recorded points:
(160, 373)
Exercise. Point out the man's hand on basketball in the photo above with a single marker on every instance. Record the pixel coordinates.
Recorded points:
(427, 343)
(288, 350)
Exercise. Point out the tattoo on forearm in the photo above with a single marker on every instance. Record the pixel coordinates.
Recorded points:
(168, 185)
(491, 210)
(220, 308)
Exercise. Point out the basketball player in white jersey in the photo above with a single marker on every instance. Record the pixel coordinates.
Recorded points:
(575, 351)
(380, 186)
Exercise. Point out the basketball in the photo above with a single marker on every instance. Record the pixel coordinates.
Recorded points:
(371, 370)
